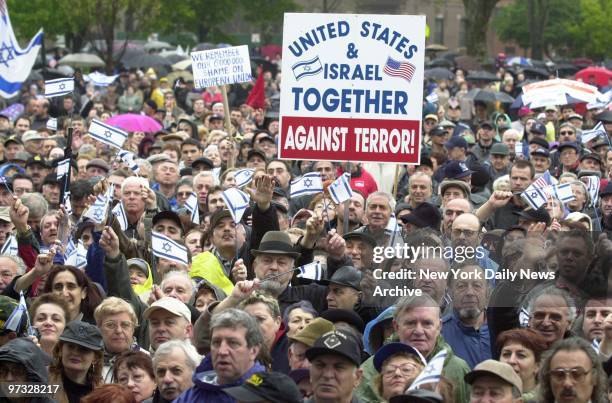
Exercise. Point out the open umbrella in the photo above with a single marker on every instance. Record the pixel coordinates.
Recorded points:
(134, 123)
(440, 62)
(157, 45)
(439, 73)
(595, 75)
(481, 75)
(82, 60)
(435, 47)
(487, 96)
(558, 91)
(535, 72)
(147, 60)
(467, 63)
(174, 57)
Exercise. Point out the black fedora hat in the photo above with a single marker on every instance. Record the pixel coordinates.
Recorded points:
(276, 243)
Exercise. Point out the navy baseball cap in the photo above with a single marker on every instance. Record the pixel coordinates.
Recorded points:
(568, 144)
(457, 170)
(538, 128)
(541, 151)
(456, 141)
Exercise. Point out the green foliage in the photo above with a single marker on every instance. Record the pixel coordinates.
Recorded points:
(267, 15)
(573, 28)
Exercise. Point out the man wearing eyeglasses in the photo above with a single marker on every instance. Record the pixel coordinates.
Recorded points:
(572, 373)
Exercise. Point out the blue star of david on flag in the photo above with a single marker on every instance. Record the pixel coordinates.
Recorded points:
(309, 183)
(164, 247)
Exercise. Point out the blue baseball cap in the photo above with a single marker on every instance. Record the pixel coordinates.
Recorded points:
(456, 141)
(457, 170)
(390, 349)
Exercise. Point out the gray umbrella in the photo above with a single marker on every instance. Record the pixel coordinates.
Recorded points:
(146, 60)
(488, 96)
(481, 75)
(439, 73)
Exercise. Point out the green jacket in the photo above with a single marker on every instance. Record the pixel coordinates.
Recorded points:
(454, 370)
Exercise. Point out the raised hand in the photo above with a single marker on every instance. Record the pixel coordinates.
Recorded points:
(109, 242)
(239, 271)
(262, 194)
(19, 214)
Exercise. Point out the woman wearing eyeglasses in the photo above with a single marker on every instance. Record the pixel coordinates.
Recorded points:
(117, 321)
(398, 364)
(522, 350)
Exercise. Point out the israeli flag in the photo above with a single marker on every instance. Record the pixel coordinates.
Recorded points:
(168, 249)
(243, 177)
(593, 183)
(307, 184)
(15, 63)
(59, 87)
(14, 320)
(97, 212)
(52, 124)
(432, 371)
(100, 80)
(107, 134)
(596, 345)
(311, 271)
(128, 159)
(432, 98)
(340, 189)
(191, 204)
(10, 246)
(119, 212)
(393, 230)
(598, 130)
(524, 317)
(563, 192)
(236, 201)
(62, 168)
(76, 255)
(67, 204)
(307, 68)
(535, 197)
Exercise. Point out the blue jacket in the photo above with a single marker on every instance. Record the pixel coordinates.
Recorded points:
(204, 390)
(474, 346)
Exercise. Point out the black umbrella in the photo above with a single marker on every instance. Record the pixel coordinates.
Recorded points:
(488, 96)
(535, 72)
(441, 63)
(439, 73)
(147, 60)
(481, 75)
(174, 58)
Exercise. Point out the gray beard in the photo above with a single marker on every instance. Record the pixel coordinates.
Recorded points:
(272, 287)
(468, 313)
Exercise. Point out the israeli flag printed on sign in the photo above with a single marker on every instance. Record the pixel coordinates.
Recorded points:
(432, 371)
(119, 212)
(236, 201)
(62, 168)
(59, 87)
(243, 177)
(307, 68)
(15, 62)
(311, 271)
(340, 189)
(10, 246)
(307, 184)
(128, 159)
(52, 124)
(191, 204)
(166, 248)
(107, 134)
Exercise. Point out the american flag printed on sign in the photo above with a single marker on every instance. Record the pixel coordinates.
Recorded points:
(394, 68)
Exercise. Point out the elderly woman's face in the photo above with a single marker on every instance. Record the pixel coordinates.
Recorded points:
(117, 332)
(268, 324)
(397, 374)
(297, 320)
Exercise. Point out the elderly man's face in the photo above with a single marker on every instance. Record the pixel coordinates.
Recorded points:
(470, 295)
(267, 264)
(201, 186)
(453, 209)
(606, 205)
(165, 326)
(173, 374)
(177, 287)
(231, 356)
(420, 190)
(333, 378)
(49, 229)
(378, 212)
(550, 317)
(578, 384)
(465, 231)
(419, 327)
(132, 199)
(8, 271)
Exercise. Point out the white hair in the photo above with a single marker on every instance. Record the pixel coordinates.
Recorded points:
(192, 358)
(203, 174)
(134, 180)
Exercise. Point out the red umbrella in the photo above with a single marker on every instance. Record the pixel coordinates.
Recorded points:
(135, 123)
(595, 75)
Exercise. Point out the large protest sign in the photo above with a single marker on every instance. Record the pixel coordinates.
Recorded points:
(352, 87)
(221, 66)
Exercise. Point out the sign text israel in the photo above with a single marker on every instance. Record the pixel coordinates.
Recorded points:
(352, 87)
(221, 66)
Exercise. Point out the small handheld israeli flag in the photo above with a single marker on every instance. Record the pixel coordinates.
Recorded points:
(307, 68)
(563, 192)
(311, 271)
(243, 177)
(128, 159)
(76, 254)
(191, 204)
(340, 189)
(593, 183)
(535, 195)
(168, 249)
(307, 184)
(119, 212)
(524, 317)
(107, 134)
(10, 246)
(52, 124)
(598, 130)
(432, 371)
(393, 230)
(236, 201)
(432, 98)
(596, 345)
(66, 203)
(59, 87)
(62, 168)
(13, 323)
(97, 211)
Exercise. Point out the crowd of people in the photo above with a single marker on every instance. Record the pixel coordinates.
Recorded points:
(484, 298)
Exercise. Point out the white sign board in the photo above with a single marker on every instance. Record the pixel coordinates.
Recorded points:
(352, 87)
(221, 66)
